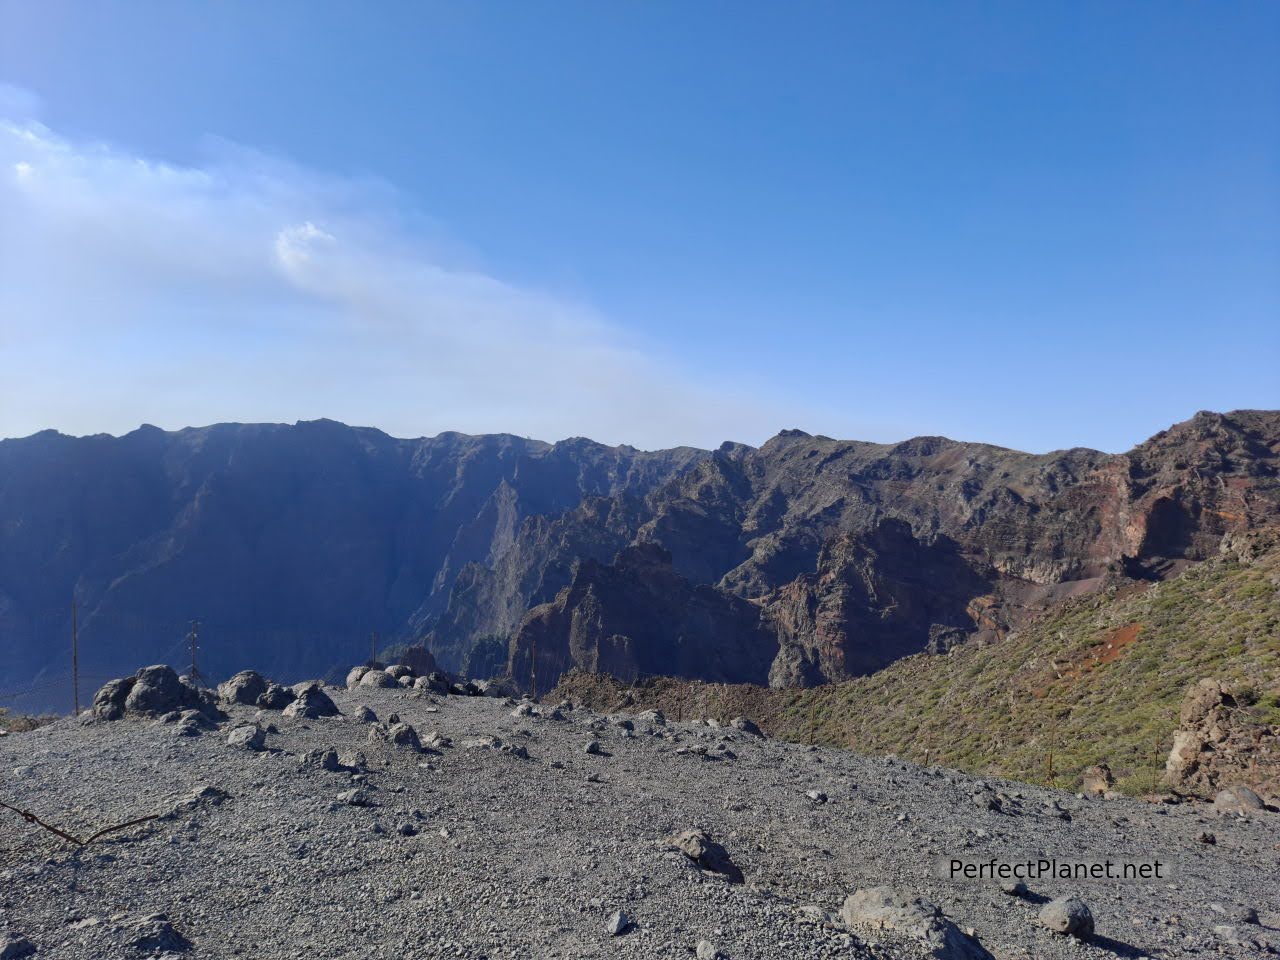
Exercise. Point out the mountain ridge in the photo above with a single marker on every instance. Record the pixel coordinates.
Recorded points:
(292, 543)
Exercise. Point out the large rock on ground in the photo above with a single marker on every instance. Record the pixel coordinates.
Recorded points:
(432, 683)
(276, 697)
(247, 737)
(398, 734)
(883, 908)
(1237, 800)
(312, 703)
(698, 846)
(108, 702)
(156, 690)
(378, 678)
(245, 687)
(153, 691)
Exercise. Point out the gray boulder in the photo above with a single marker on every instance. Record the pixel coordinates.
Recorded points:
(398, 670)
(312, 703)
(245, 687)
(192, 723)
(1237, 800)
(276, 697)
(322, 760)
(883, 908)
(108, 702)
(365, 715)
(398, 734)
(1069, 916)
(247, 737)
(153, 691)
(355, 674)
(156, 690)
(378, 678)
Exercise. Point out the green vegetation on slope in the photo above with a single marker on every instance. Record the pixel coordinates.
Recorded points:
(1098, 679)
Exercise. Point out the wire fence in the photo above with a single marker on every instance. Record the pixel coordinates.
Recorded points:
(37, 674)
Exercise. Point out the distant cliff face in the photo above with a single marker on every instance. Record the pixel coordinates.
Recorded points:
(856, 554)
(805, 560)
(290, 544)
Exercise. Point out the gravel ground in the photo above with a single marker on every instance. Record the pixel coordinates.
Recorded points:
(471, 851)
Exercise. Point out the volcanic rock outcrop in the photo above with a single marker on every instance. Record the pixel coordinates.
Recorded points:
(1219, 744)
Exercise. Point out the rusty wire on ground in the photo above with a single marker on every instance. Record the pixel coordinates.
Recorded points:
(30, 817)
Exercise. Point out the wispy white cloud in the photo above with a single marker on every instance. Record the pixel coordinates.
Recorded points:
(251, 288)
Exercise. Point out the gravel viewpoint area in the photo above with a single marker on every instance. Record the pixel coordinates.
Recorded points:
(418, 824)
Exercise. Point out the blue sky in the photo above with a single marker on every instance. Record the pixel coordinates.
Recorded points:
(1039, 225)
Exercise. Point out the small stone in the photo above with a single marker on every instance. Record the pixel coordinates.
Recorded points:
(593, 747)
(1068, 915)
(355, 798)
(1207, 837)
(817, 796)
(1015, 888)
(705, 950)
(365, 715)
(247, 737)
(322, 759)
(618, 923)
(1097, 780)
(155, 934)
(1243, 914)
(698, 846)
